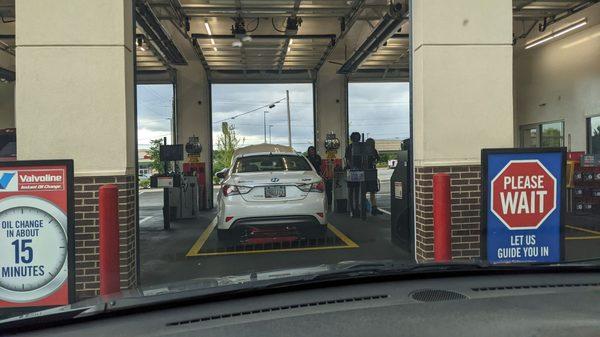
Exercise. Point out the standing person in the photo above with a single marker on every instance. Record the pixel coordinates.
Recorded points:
(314, 159)
(373, 186)
(353, 163)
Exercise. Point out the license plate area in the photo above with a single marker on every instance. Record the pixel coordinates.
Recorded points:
(274, 192)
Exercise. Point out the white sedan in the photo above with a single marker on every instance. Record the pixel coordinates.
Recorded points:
(271, 189)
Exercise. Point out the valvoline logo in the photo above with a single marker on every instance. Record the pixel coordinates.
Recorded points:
(32, 180)
(41, 180)
(8, 181)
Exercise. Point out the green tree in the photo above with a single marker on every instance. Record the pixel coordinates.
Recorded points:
(227, 143)
(154, 154)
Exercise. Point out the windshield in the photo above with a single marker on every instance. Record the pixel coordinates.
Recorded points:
(157, 147)
(270, 163)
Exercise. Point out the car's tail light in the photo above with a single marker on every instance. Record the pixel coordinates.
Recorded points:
(318, 187)
(228, 218)
(229, 190)
(314, 187)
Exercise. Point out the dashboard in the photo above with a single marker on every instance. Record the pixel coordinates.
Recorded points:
(555, 304)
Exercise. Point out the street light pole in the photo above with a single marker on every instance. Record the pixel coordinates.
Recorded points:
(265, 123)
(270, 141)
(171, 133)
(287, 95)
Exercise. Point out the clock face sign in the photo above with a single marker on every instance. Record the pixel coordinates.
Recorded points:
(33, 248)
(37, 249)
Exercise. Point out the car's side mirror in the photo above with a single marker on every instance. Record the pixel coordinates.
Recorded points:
(221, 174)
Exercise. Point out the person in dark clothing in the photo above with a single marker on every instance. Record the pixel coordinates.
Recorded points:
(314, 159)
(353, 163)
(373, 187)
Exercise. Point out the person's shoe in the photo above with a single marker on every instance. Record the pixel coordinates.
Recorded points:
(375, 211)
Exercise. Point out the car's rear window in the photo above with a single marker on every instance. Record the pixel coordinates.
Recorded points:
(269, 163)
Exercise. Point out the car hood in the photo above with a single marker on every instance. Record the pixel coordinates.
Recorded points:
(252, 179)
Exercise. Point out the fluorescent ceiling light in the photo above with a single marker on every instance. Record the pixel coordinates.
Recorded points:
(557, 33)
(212, 41)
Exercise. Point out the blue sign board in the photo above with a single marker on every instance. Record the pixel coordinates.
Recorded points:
(523, 193)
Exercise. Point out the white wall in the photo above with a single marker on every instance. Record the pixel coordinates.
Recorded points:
(330, 106)
(7, 90)
(192, 101)
(75, 75)
(462, 80)
(560, 80)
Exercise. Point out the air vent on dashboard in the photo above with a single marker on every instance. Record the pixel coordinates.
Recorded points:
(538, 286)
(436, 295)
(279, 308)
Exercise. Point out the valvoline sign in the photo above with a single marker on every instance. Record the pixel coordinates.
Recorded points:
(522, 198)
(35, 179)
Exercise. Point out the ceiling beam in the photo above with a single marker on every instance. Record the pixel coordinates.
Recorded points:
(286, 44)
(347, 23)
(386, 28)
(266, 36)
(157, 35)
(520, 4)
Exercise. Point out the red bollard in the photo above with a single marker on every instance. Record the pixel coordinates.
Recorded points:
(108, 207)
(442, 246)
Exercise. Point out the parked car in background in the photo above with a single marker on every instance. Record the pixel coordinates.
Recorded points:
(270, 186)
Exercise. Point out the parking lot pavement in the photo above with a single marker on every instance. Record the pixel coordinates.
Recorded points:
(176, 255)
(582, 237)
(165, 255)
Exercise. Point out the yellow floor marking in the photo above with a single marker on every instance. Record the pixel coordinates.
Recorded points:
(202, 239)
(342, 236)
(583, 229)
(195, 250)
(265, 251)
(583, 238)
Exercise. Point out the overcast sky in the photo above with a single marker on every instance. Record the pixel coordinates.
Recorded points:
(230, 100)
(154, 108)
(380, 110)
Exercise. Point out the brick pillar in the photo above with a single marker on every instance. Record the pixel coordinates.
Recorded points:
(461, 103)
(86, 232)
(74, 99)
(465, 185)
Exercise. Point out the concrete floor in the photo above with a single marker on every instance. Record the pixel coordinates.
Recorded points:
(190, 249)
(169, 256)
(582, 236)
(166, 258)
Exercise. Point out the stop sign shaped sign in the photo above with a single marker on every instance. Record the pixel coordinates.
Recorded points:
(523, 194)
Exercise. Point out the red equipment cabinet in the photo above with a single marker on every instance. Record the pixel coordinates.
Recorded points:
(198, 169)
(329, 166)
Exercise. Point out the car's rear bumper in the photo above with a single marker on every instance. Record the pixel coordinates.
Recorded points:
(234, 211)
(288, 220)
